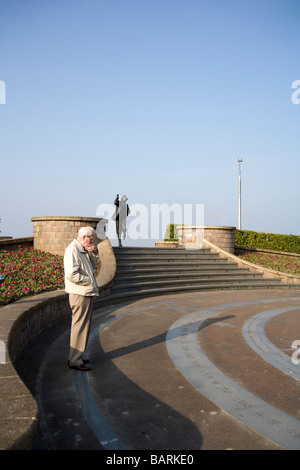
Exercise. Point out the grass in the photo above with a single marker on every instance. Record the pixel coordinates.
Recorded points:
(28, 272)
(285, 263)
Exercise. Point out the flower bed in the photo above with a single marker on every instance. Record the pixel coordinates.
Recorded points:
(284, 263)
(27, 271)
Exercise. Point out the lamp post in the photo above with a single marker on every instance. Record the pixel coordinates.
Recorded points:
(240, 193)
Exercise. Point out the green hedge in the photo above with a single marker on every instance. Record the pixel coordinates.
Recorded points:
(171, 233)
(268, 241)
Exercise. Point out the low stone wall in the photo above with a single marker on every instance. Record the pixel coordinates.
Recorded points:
(285, 278)
(241, 249)
(221, 236)
(14, 243)
(54, 234)
(163, 244)
(192, 236)
(108, 268)
(21, 324)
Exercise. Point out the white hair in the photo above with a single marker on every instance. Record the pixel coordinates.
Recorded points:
(86, 232)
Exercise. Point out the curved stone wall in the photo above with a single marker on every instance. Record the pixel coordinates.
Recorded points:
(54, 234)
(22, 322)
(221, 236)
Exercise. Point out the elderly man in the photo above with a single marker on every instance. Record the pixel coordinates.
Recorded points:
(80, 262)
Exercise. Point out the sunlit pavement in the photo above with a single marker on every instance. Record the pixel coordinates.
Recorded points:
(209, 370)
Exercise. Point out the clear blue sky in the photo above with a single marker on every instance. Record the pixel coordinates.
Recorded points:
(155, 99)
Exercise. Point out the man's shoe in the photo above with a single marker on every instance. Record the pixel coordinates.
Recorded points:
(81, 367)
(85, 361)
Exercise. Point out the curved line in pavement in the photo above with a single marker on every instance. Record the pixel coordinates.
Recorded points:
(106, 436)
(186, 353)
(254, 334)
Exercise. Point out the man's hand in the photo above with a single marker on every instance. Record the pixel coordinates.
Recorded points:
(90, 247)
(88, 243)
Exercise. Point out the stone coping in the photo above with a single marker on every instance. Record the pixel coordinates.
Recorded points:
(217, 227)
(64, 217)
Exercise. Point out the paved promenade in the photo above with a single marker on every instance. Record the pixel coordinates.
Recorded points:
(207, 370)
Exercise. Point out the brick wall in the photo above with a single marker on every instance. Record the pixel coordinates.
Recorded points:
(192, 236)
(38, 314)
(54, 234)
(223, 237)
(21, 324)
(14, 243)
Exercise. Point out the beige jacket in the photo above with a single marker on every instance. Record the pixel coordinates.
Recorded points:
(80, 268)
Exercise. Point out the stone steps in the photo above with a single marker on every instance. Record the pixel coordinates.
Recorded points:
(143, 272)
